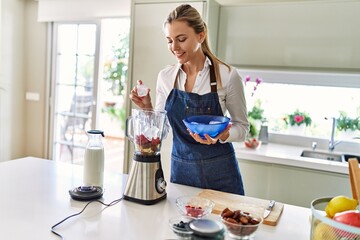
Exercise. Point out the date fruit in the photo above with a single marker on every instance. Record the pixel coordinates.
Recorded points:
(239, 223)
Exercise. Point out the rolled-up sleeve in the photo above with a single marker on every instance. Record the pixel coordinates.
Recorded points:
(235, 104)
(164, 85)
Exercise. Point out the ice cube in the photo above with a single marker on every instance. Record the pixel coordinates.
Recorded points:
(151, 132)
(214, 122)
(142, 90)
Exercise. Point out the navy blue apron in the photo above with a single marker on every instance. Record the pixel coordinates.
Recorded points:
(205, 166)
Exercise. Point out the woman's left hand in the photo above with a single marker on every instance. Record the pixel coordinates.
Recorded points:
(209, 140)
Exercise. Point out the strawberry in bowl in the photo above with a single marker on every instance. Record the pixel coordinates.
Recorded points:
(194, 206)
(252, 143)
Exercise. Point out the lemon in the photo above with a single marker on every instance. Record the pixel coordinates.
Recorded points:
(340, 204)
(323, 232)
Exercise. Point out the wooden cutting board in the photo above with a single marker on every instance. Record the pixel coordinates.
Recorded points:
(234, 202)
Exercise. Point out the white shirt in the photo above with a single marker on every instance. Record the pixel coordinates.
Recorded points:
(231, 95)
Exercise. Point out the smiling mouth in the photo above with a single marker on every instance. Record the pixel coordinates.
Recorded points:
(179, 55)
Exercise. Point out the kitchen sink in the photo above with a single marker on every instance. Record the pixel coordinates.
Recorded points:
(348, 156)
(322, 155)
(338, 157)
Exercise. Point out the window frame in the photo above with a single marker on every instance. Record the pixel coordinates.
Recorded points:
(327, 78)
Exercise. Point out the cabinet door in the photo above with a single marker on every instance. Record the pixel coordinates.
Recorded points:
(299, 186)
(291, 185)
(312, 35)
(256, 178)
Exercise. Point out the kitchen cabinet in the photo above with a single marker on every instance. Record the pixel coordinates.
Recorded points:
(306, 35)
(291, 185)
(149, 52)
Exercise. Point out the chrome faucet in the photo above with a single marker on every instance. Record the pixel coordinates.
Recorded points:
(332, 142)
(313, 145)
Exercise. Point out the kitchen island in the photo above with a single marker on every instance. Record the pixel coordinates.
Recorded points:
(35, 197)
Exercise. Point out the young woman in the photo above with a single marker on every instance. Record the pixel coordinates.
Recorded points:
(200, 84)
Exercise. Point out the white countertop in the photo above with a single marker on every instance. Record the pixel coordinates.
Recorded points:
(288, 155)
(35, 197)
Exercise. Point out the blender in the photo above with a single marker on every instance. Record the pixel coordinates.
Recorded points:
(146, 183)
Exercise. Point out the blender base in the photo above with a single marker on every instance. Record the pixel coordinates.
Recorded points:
(145, 202)
(86, 193)
(145, 184)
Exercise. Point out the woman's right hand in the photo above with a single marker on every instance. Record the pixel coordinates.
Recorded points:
(141, 102)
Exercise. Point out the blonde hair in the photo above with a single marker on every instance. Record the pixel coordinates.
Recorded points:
(189, 14)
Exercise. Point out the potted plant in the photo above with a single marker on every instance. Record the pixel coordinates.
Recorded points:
(251, 140)
(256, 112)
(297, 121)
(255, 115)
(347, 126)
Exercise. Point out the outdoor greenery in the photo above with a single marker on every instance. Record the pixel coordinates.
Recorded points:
(346, 123)
(115, 70)
(115, 73)
(116, 113)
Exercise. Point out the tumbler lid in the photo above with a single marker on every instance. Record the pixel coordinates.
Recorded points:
(206, 227)
(96, 132)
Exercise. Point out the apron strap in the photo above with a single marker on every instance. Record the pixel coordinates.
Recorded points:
(213, 83)
(176, 78)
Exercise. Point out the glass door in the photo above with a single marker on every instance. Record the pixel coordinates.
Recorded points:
(75, 92)
(88, 88)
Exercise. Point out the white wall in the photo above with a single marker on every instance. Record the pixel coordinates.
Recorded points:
(35, 81)
(60, 10)
(22, 68)
(12, 72)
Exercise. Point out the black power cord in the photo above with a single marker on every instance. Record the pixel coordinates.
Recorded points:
(76, 214)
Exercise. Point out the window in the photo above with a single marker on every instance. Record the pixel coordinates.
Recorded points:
(313, 93)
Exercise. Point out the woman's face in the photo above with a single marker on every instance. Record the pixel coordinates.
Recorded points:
(183, 42)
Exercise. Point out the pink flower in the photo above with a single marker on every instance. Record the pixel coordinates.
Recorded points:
(247, 79)
(258, 81)
(298, 118)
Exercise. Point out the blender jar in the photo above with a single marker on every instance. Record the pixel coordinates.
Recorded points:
(145, 128)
